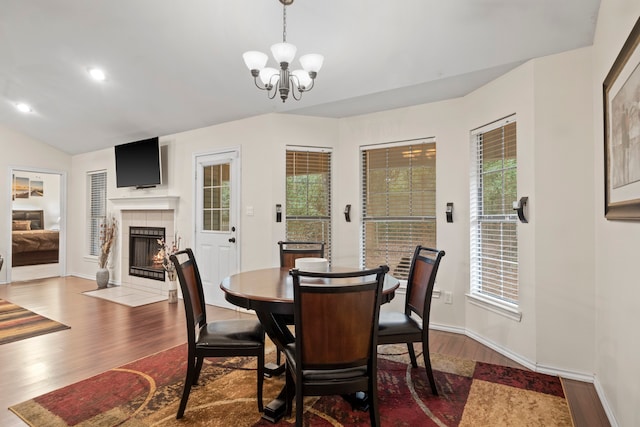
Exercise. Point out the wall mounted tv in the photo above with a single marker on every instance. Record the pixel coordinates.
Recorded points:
(138, 164)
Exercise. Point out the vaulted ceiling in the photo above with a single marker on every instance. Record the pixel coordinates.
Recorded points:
(177, 65)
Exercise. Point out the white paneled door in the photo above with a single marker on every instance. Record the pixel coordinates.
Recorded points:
(217, 212)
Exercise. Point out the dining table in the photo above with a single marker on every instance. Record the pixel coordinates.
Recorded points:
(269, 292)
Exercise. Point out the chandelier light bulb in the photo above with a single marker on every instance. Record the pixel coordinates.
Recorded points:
(304, 80)
(266, 75)
(311, 62)
(283, 52)
(255, 60)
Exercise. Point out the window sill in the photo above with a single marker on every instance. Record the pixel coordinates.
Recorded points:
(495, 307)
(90, 258)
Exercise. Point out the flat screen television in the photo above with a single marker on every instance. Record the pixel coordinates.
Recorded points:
(138, 164)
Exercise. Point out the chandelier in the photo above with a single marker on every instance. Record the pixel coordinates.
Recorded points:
(283, 80)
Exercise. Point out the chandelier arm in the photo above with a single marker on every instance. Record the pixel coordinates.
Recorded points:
(295, 89)
(272, 91)
(255, 81)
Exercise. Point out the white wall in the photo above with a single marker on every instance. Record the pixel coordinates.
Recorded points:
(262, 142)
(563, 200)
(21, 152)
(509, 94)
(617, 348)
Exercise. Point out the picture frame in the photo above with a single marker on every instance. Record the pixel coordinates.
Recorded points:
(621, 99)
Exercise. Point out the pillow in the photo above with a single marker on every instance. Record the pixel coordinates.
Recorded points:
(22, 225)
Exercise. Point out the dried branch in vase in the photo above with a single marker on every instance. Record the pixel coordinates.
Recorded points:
(107, 239)
(167, 250)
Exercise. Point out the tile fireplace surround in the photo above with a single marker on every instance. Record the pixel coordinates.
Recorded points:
(158, 211)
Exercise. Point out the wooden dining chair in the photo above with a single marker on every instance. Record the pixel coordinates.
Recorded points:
(401, 327)
(336, 325)
(290, 251)
(238, 337)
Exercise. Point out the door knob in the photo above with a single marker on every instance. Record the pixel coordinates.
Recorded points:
(232, 240)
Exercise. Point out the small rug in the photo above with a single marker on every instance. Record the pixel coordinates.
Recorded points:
(123, 295)
(147, 393)
(17, 323)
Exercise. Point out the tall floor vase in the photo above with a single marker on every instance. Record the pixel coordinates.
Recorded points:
(102, 278)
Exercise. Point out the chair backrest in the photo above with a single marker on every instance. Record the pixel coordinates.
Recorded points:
(290, 251)
(422, 278)
(192, 293)
(336, 318)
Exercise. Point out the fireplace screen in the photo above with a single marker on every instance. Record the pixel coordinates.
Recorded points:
(143, 252)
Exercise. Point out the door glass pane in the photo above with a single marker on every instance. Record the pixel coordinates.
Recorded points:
(216, 197)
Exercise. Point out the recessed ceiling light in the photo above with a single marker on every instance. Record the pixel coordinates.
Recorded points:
(97, 74)
(25, 108)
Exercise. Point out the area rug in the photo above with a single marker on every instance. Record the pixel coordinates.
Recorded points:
(18, 323)
(123, 295)
(147, 393)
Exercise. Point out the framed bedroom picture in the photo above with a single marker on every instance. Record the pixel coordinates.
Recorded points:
(37, 188)
(20, 187)
(621, 96)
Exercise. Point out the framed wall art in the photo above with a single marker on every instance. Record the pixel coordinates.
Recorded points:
(621, 96)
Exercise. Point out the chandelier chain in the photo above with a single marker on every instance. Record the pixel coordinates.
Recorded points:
(284, 23)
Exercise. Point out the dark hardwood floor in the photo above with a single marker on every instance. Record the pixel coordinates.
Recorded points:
(105, 335)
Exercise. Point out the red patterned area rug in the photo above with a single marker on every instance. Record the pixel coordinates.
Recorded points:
(17, 323)
(147, 392)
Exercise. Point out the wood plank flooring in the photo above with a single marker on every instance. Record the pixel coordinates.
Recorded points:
(105, 335)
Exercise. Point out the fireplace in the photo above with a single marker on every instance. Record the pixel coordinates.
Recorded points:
(143, 252)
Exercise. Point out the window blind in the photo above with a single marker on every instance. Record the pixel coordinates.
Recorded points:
(308, 204)
(398, 203)
(97, 183)
(493, 222)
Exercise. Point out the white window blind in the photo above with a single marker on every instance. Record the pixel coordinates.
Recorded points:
(308, 205)
(493, 222)
(398, 203)
(97, 185)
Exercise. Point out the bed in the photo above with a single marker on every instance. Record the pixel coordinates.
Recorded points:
(31, 243)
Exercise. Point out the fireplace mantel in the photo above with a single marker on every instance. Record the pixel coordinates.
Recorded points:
(145, 203)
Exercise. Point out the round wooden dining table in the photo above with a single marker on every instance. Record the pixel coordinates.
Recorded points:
(269, 292)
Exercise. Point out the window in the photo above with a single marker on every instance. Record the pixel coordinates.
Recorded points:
(308, 209)
(216, 190)
(494, 238)
(97, 184)
(399, 203)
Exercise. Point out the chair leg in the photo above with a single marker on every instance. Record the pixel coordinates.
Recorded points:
(289, 390)
(374, 413)
(299, 403)
(188, 382)
(427, 365)
(260, 371)
(200, 361)
(277, 357)
(412, 355)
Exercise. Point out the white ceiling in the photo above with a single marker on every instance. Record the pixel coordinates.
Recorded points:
(177, 65)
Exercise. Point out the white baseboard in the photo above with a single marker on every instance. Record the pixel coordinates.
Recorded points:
(529, 364)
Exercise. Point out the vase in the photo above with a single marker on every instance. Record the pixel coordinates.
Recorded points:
(102, 278)
(173, 286)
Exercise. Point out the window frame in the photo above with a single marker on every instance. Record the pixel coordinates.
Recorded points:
(326, 220)
(508, 307)
(431, 219)
(95, 217)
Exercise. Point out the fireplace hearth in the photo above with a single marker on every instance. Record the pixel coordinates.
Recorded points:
(143, 252)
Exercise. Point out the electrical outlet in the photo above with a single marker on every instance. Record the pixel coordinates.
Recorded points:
(448, 297)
